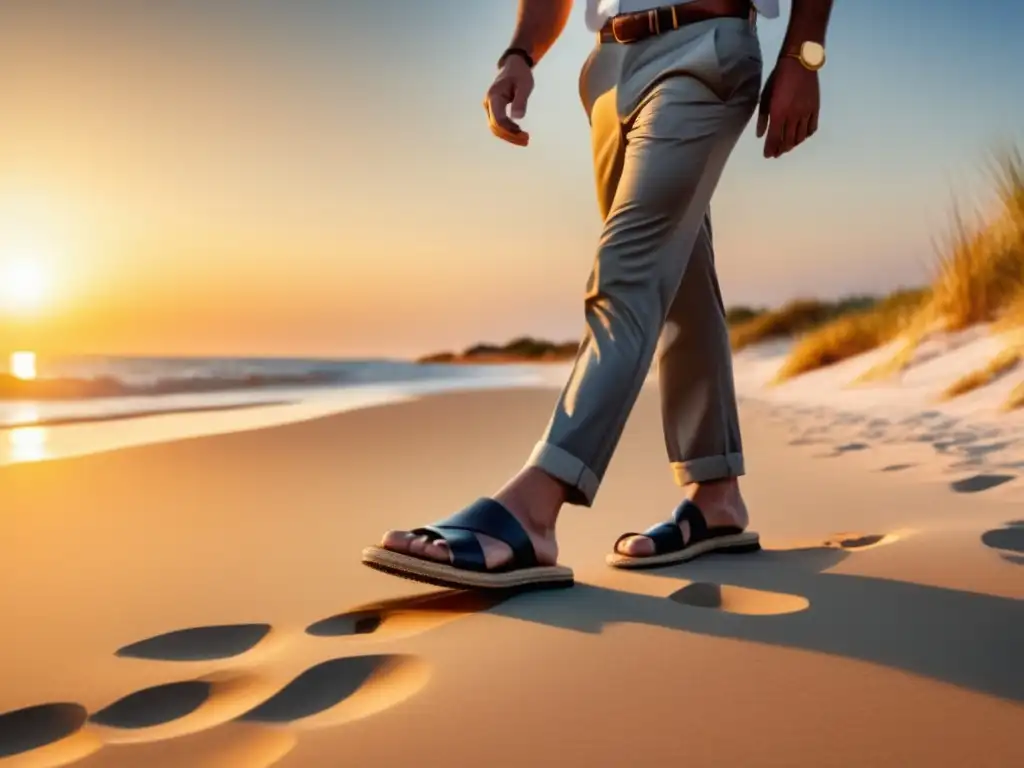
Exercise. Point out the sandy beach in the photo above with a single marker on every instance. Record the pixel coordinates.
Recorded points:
(277, 278)
(201, 603)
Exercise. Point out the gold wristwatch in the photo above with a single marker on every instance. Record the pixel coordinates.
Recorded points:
(810, 54)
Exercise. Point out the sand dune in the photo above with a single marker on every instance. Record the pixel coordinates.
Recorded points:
(201, 603)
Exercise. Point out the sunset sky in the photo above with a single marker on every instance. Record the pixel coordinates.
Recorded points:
(317, 178)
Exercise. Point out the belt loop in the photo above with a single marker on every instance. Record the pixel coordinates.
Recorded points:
(652, 20)
(675, 17)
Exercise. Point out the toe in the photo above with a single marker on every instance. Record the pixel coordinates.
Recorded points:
(423, 547)
(397, 541)
(438, 550)
(637, 546)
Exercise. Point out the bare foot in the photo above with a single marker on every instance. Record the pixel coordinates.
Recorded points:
(534, 499)
(721, 503)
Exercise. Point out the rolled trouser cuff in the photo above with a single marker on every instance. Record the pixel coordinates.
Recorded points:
(709, 468)
(580, 479)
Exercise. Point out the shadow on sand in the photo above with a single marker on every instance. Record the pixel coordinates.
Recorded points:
(967, 639)
(1009, 540)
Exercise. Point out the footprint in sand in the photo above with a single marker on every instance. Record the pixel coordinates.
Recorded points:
(851, 447)
(155, 706)
(842, 449)
(239, 719)
(330, 693)
(353, 623)
(199, 643)
(738, 600)
(861, 541)
(404, 617)
(180, 708)
(896, 467)
(799, 441)
(344, 689)
(979, 483)
(46, 734)
(1009, 540)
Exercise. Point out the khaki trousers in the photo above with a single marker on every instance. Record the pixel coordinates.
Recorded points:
(665, 114)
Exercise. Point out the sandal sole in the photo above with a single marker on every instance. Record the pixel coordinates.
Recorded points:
(447, 576)
(735, 544)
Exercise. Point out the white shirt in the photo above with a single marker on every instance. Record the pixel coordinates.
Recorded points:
(599, 11)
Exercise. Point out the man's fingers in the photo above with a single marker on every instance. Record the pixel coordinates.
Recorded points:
(774, 138)
(800, 134)
(497, 112)
(519, 99)
(812, 125)
(762, 123)
(501, 125)
(763, 113)
(764, 107)
(789, 134)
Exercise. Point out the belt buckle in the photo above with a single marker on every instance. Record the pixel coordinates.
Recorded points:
(615, 31)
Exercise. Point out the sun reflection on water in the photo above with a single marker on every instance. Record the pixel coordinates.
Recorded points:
(27, 443)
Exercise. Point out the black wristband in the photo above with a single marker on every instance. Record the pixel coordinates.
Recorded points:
(520, 52)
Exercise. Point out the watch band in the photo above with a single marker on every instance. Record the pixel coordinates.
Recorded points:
(798, 57)
(520, 52)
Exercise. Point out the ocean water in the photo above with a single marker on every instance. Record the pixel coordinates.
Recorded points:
(75, 390)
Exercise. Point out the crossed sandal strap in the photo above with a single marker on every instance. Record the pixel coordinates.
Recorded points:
(485, 517)
(688, 512)
(668, 537)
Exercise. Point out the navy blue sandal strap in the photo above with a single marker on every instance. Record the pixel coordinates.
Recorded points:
(668, 536)
(699, 529)
(485, 517)
(688, 512)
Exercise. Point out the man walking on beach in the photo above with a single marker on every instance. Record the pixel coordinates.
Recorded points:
(668, 90)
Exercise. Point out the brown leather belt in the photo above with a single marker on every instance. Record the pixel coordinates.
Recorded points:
(633, 27)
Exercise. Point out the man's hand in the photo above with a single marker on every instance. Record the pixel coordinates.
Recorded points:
(789, 110)
(509, 92)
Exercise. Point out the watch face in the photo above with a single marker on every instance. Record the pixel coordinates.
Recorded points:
(813, 54)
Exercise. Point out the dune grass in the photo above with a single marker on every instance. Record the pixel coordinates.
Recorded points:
(979, 278)
(736, 315)
(1013, 318)
(853, 334)
(1016, 398)
(519, 350)
(799, 316)
(1002, 364)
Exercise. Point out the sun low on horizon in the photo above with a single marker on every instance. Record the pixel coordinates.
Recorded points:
(24, 284)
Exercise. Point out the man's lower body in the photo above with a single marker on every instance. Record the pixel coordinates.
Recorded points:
(665, 113)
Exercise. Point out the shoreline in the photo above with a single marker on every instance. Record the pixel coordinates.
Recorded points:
(82, 436)
(64, 421)
(828, 391)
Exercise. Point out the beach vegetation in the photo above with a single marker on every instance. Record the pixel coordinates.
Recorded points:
(522, 349)
(1006, 361)
(853, 333)
(978, 279)
(794, 318)
(1016, 399)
